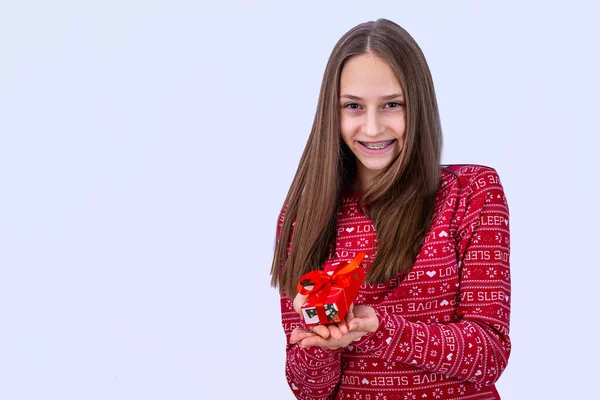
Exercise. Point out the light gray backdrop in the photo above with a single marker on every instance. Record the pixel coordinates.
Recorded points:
(146, 148)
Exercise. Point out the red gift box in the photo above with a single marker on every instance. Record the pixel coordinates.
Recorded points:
(333, 291)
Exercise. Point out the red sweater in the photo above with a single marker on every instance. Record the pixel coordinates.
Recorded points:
(443, 329)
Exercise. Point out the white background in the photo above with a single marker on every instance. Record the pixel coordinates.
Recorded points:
(146, 148)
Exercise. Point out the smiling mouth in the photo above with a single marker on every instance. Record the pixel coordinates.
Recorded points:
(377, 145)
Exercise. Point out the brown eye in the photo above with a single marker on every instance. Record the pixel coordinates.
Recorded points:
(394, 104)
(352, 106)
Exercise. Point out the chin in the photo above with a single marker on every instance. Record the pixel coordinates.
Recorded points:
(376, 167)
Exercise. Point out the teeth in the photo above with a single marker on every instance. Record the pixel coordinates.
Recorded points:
(377, 146)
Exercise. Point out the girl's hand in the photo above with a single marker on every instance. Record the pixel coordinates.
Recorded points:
(325, 331)
(362, 318)
(306, 338)
(299, 334)
(359, 321)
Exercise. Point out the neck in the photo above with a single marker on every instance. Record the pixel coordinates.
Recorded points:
(363, 179)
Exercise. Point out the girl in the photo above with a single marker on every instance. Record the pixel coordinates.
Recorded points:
(431, 320)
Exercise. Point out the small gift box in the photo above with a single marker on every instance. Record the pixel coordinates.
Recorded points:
(330, 292)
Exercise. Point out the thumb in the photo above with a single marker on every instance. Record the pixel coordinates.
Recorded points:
(350, 317)
(298, 301)
(350, 314)
(355, 324)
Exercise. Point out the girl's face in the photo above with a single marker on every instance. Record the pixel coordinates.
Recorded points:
(373, 114)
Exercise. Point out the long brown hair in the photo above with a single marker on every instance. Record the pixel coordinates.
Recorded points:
(401, 198)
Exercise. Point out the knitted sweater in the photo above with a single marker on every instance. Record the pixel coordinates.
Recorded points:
(443, 328)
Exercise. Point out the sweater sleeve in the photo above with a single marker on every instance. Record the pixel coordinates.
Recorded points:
(312, 372)
(476, 347)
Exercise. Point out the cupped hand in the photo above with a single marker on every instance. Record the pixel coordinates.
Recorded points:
(335, 331)
(306, 338)
(359, 321)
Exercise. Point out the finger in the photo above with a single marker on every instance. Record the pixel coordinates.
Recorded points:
(331, 343)
(299, 336)
(354, 325)
(365, 319)
(298, 301)
(360, 324)
(350, 315)
(351, 320)
(335, 332)
(319, 341)
(298, 329)
(301, 332)
(321, 330)
(343, 326)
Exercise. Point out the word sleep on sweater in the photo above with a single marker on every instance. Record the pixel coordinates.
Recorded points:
(443, 328)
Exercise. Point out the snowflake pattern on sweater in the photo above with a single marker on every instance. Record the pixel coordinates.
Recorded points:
(444, 327)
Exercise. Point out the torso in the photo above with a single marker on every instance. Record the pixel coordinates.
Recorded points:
(429, 294)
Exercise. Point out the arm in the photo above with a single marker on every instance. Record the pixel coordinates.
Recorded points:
(477, 347)
(312, 372)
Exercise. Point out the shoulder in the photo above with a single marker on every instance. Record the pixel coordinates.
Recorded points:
(466, 171)
(471, 190)
(467, 178)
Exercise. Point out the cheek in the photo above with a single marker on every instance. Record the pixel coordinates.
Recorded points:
(400, 127)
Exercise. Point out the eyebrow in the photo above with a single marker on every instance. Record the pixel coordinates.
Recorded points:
(389, 97)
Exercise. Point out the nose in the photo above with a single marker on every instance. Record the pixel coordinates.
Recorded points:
(372, 125)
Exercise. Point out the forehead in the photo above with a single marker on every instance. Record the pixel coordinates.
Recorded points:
(368, 74)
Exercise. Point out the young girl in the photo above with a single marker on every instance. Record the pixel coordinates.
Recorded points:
(431, 320)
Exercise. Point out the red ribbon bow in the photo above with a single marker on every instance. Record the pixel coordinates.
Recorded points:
(323, 281)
